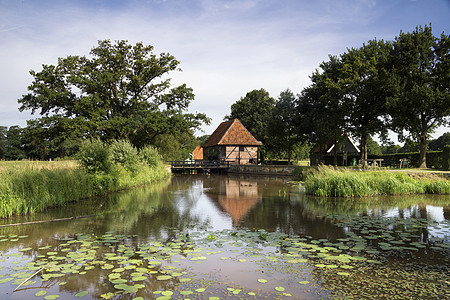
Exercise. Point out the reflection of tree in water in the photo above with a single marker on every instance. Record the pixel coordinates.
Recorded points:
(288, 214)
(266, 203)
(155, 214)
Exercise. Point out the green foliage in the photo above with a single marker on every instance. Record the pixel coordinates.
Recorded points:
(120, 91)
(420, 83)
(329, 182)
(175, 147)
(446, 158)
(440, 142)
(150, 155)
(390, 149)
(26, 189)
(434, 159)
(301, 172)
(95, 156)
(13, 148)
(254, 111)
(372, 147)
(362, 85)
(125, 154)
(282, 136)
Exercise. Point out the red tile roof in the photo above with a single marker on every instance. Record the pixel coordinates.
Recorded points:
(231, 133)
(198, 153)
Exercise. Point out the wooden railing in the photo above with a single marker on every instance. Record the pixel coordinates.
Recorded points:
(199, 164)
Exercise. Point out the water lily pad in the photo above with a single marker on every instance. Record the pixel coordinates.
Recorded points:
(304, 282)
(163, 277)
(167, 293)
(262, 280)
(186, 293)
(40, 293)
(51, 297)
(6, 279)
(81, 294)
(280, 288)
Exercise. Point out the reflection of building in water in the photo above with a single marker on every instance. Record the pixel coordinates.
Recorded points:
(237, 197)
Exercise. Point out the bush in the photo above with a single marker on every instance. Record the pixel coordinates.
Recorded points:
(150, 155)
(94, 156)
(125, 154)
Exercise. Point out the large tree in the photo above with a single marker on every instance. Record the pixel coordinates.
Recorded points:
(362, 80)
(421, 84)
(323, 106)
(112, 94)
(254, 111)
(282, 125)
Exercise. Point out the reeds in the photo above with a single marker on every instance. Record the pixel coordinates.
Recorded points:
(331, 182)
(33, 187)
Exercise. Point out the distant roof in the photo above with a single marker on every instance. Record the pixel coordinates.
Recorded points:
(348, 146)
(231, 133)
(197, 153)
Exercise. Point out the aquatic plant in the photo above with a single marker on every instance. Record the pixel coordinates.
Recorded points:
(26, 189)
(278, 266)
(333, 182)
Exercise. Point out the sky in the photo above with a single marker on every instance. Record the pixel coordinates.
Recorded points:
(226, 48)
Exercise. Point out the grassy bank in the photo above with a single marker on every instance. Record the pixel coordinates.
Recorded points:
(27, 187)
(330, 182)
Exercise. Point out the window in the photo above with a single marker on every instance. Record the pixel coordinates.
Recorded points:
(241, 148)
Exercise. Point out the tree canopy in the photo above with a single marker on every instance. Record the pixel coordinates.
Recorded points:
(254, 110)
(421, 85)
(120, 91)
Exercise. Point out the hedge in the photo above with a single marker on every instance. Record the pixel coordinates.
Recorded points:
(434, 159)
(446, 158)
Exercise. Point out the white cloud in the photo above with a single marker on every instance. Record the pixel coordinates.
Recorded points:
(226, 48)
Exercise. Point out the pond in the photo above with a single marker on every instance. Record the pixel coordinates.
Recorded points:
(230, 237)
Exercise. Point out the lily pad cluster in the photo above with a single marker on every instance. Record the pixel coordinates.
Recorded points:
(395, 236)
(187, 265)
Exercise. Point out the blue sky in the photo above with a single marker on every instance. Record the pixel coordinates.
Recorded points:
(226, 47)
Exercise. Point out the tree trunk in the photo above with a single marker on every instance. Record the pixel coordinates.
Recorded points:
(364, 149)
(423, 144)
(423, 151)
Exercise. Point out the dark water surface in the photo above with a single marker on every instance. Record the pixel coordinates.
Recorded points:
(225, 237)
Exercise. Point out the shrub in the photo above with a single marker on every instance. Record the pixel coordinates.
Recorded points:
(94, 156)
(150, 155)
(125, 154)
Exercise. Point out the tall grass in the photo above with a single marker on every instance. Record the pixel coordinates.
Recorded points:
(33, 187)
(331, 182)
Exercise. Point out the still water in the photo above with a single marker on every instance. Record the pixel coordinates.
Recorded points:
(230, 237)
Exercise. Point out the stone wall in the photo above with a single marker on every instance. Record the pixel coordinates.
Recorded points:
(262, 169)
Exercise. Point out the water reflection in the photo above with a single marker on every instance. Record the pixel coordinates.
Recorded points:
(234, 196)
(190, 203)
(224, 202)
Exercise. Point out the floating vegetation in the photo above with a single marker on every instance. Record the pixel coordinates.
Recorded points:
(275, 265)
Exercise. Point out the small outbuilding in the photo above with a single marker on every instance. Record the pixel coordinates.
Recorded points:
(197, 154)
(347, 153)
(231, 142)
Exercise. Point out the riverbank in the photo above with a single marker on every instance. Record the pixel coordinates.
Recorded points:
(333, 182)
(28, 187)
